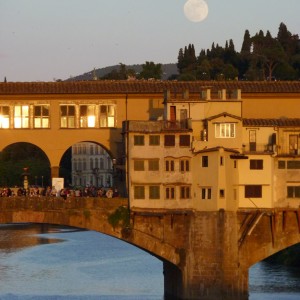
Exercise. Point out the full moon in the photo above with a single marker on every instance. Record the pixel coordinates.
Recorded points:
(195, 10)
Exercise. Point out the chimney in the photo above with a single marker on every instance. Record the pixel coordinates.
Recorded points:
(237, 94)
(205, 94)
(222, 94)
(167, 95)
(185, 94)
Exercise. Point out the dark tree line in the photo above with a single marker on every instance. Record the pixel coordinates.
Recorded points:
(262, 57)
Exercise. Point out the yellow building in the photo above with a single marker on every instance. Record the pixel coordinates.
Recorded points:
(204, 155)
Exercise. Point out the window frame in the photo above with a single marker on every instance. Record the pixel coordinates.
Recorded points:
(154, 192)
(139, 192)
(225, 130)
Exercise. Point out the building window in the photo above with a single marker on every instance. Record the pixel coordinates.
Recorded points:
(170, 192)
(293, 164)
(281, 164)
(221, 161)
(170, 165)
(154, 192)
(204, 161)
(139, 192)
(293, 191)
(139, 140)
(206, 193)
(154, 140)
(185, 192)
(169, 140)
(184, 165)
(41, 116)
(222, 193)
(91, 164)
(21, 116)
(225, 130)
(67, 116)
(139, 165)
(153, 164)
(253, 191)
(4, 116)
(184, 140)
(87, 116)
(107, 116)
(235, 164)
(256, 164)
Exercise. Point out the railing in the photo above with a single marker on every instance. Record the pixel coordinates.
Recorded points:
(259, 148)
(41, 203)
(156, 126)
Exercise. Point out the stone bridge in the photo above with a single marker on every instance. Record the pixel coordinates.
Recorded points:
(206, 255)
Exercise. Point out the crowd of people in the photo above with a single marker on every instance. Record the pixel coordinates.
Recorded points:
(34, 191)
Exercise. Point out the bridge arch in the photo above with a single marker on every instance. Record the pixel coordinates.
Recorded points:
(84, 213)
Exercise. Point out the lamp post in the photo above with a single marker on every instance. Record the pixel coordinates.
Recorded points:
(25, 175)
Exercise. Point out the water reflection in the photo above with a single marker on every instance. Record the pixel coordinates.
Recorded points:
(15, 237)
(87, 265)
(54, 262)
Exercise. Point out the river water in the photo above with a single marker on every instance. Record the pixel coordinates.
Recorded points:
(48, 262)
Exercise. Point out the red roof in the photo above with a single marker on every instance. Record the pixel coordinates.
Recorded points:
(283, 122)
(143, 86)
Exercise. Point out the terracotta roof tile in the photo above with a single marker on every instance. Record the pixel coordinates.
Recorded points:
(283, 122)
(143, 86)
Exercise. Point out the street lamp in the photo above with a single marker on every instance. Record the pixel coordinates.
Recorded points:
(25, 175)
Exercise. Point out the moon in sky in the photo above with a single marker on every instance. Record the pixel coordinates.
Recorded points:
(195, 10)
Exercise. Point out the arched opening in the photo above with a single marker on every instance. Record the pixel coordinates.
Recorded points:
(88, 165)
(24, 159)
(276, 276)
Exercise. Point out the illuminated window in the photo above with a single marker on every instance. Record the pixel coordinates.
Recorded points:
(4, 116)
(225, 130)
(21, 116)
(107, 116)
(67, 116)
(87, 116)
(41, 116)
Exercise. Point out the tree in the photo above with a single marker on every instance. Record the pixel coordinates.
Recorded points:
(151, 70)
(267, 53)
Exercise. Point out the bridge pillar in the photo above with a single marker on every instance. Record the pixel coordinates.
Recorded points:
(210, 266)
(54, 172)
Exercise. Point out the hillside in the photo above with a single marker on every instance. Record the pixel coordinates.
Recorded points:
(168, 70)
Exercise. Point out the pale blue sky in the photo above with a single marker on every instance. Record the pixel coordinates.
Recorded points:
(45, 39)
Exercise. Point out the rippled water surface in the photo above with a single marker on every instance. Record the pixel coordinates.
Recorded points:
(48, 262)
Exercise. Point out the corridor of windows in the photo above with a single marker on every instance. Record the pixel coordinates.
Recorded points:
(71, 116)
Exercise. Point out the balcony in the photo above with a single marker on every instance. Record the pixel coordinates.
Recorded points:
(255, 148)
(156, 126)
